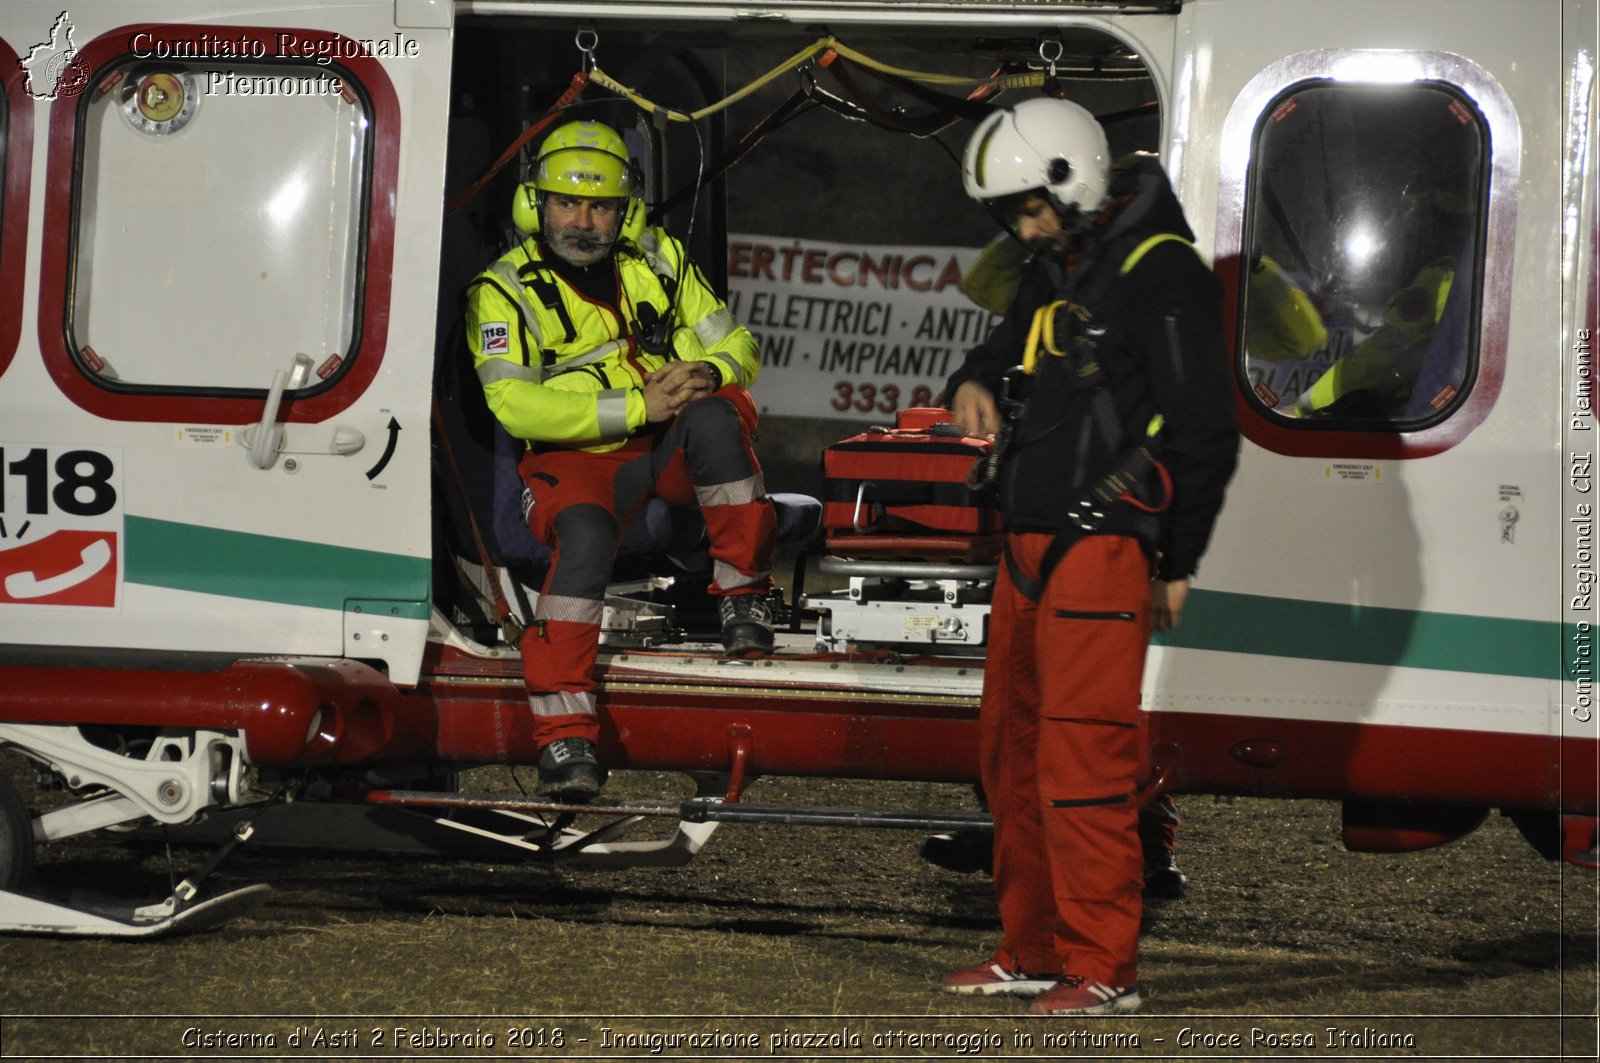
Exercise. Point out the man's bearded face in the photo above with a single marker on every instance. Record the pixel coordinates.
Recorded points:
(581, 229)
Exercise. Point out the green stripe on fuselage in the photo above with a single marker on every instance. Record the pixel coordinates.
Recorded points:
(294, 572)
(1406, 638)
(234, 564)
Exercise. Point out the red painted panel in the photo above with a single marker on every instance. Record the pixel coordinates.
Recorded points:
(274, 702)
(479, 714)
(796, 732)
(14, 183)
(1335, 760)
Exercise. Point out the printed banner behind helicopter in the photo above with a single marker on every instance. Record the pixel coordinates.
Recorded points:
(852, 331)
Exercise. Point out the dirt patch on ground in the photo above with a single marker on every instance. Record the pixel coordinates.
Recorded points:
(776, 935)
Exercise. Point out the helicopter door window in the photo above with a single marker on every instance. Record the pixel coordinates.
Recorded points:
(218, 224)
(1363, 251)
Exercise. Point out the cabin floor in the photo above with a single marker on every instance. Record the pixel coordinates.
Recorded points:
(827, 931)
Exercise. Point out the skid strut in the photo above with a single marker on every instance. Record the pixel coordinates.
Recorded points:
(178, 913)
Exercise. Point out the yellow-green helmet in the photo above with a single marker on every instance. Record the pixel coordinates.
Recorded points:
(584, 159)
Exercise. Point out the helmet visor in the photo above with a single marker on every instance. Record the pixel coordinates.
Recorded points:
(1007, 210)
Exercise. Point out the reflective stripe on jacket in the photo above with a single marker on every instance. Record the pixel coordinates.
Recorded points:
(559, 368)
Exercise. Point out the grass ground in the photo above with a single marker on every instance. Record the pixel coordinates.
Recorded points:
(1475, 950)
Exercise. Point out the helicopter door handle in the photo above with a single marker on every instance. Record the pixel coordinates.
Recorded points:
(265, 438)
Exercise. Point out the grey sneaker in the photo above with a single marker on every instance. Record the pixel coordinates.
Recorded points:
(568, 771)
(746, 625)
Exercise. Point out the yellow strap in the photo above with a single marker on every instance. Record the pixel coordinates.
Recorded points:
(1030, 350)
(1044, 318)
(604, 80)
(811, 51)
(1032, 80)
(1144, 247)
(1050, 343)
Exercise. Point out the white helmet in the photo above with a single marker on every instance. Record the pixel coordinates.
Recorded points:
(1045, 145)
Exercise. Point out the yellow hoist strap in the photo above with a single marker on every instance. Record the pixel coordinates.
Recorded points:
(811, 51)
(1043, 331)
(1030, 350)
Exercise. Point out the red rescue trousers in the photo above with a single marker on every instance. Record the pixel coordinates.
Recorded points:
(1062, 744)
(583, 501)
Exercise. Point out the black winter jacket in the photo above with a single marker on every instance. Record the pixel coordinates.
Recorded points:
(1161, 351)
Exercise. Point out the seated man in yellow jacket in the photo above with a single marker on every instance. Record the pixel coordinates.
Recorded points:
(599, 343)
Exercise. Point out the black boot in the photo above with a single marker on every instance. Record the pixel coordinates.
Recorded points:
(746, 625)
(569, 772)
(961, 850)
(1162, 879)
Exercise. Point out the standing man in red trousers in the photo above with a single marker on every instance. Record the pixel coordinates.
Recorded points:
(1107, 383)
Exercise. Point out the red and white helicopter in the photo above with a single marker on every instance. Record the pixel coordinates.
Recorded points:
(234, 553)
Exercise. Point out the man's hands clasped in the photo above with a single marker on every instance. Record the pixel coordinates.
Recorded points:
(672, 387)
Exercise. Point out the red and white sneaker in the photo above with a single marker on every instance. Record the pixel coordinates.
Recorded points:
(990, 979)
(1074, 995)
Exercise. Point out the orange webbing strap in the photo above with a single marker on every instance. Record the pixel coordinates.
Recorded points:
(580, 81)
(502, 608)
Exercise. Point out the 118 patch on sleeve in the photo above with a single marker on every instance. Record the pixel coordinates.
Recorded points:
(494, 337)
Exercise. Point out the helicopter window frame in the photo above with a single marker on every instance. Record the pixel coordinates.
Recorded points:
(16, 164)
(1266, 94)
(372, 233)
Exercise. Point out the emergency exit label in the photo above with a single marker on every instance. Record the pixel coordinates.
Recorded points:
(1353, 472)
(204, 435)
(61, 525)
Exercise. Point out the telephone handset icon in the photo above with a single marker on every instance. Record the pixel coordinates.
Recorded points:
(92, 559)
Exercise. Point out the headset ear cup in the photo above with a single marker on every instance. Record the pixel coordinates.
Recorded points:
(633, 220)
(525, 208)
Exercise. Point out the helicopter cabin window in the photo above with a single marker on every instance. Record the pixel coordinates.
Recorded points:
(218, 225)
(1363, 253)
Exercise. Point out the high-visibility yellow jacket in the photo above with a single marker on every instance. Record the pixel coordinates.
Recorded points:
(1389, 361)
(559, 368)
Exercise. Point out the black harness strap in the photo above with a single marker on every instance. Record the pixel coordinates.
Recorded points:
(1033, 590)
(1117, 487)
(785, 111)
(1135, 466)
(542, 284)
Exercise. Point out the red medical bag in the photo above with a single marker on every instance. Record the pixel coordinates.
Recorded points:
(910, 480)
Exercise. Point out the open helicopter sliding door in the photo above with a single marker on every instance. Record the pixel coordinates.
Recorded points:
(221, 443)
(1382, 615)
